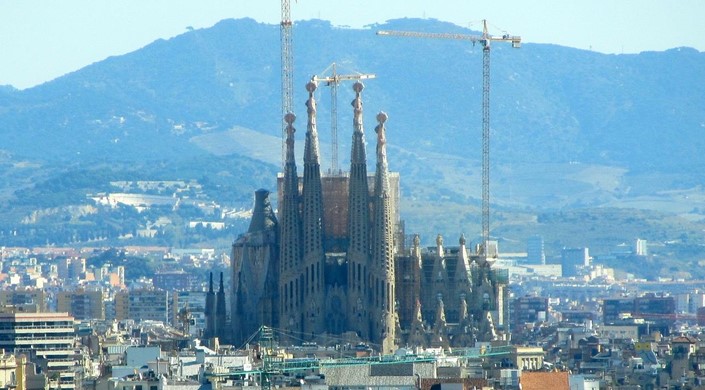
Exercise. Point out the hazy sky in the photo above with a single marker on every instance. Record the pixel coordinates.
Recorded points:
(43, 39)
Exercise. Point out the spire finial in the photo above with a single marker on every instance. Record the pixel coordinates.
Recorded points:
(210, 284)
(381, 137)
(357, 106)
(289, 118)
(311, 146)
(358, 87)
(311, 102)
(382, 117)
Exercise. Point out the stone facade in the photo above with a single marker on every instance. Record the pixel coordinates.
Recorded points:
(333, 262)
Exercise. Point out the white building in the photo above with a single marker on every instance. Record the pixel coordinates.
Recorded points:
(582, 382)
(641, 247)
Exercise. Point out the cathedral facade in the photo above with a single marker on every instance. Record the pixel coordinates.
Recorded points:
(332, 259)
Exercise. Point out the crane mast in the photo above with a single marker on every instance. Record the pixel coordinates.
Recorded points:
(484, 40)
(287, 63)
(485, 142)
(333, 81)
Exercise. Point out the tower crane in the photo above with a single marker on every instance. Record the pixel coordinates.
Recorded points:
(287, 69)
(485, 39)
(332, 81)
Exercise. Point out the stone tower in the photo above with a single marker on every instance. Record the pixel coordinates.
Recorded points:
(312, 217)
(358, 226)
(384, 318)
(291, 287)
(220, 313)
(210, 310)
(255, 272)
(333, 261)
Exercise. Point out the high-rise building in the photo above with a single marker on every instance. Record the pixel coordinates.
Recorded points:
(658, 311)
(47, 339)
(71, 268)
(120, 272)
(140, 305)
(78, 268)
(332, 260)
(535, 250)
(34, 300)
(82, 305)
(529, 309)
(573, 260)
(174, 280)
(641, 247)
(189, 306)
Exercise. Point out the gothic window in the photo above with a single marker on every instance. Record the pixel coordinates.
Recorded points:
(359, 283)
(318, 276)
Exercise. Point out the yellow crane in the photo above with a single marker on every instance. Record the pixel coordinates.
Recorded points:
(485, 39)
(332, 81)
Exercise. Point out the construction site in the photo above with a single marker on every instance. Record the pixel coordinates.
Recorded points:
(333, 264)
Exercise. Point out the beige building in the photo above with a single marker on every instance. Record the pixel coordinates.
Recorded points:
(620, 332)
(83, 305)
(24, 300)
(8, 371)
(140, 305)
(527, 358)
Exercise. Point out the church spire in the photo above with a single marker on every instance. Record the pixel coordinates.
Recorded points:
(440, 337)
(220, 314)
(358, 148)
(210, 310)
(417, 331)
(463, 267)
(358, 225)
(383, 245)
(312, 218)
(382, 234)
(311, 147)
(358, 215)
(381, 175)
(290, 235)
(262, 215)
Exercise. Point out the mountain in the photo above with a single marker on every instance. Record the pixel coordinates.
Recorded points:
(549, 103)
(570, 128)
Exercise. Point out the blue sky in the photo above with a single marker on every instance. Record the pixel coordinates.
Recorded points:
(43, 39)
